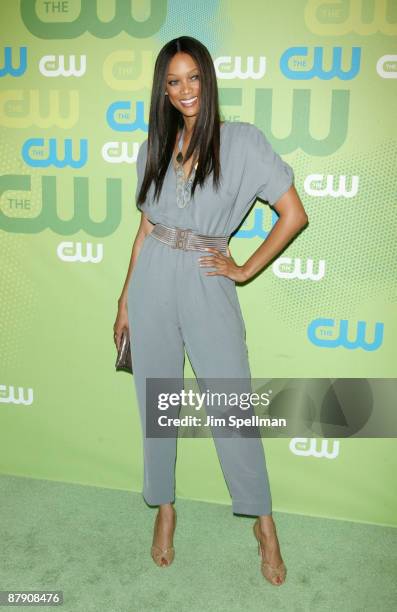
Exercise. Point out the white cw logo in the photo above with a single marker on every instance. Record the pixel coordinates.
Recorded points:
(322, 191)
(313, 447)
(233, 68)
(286, 267)
(15, 398)
(386, 66)
(73, 251)
(50, 66)
(117, 152)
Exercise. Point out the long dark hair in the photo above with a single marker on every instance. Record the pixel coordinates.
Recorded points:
(165, 120)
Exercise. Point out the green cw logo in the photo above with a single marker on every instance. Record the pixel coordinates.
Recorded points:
(48, 216)
(88, 21)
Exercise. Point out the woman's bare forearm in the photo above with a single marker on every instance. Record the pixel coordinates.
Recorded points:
(280, 235)
(292, 219)
(145, 227)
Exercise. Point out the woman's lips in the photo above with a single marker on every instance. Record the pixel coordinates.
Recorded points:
(189, 102)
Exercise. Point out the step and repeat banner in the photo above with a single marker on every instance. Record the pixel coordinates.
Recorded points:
(319, 79)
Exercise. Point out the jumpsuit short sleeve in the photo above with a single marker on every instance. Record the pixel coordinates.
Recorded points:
(140, 169)
(267, 174)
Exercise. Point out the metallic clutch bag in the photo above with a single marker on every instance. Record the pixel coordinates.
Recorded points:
(123, 361)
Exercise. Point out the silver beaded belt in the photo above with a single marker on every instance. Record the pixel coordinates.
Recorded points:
(187, 239)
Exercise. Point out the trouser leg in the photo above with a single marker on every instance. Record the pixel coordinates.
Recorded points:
(157, 352)
(214, 335)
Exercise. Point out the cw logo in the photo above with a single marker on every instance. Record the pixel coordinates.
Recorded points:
(284, 268)
(258, 227)
(52, 159)
(386, 66)
(88, 21)
(8, 67)
(73, 251)
(15, 396)
(124, 126)
(313, 189)
(233, 68)
(326, 333)
(21, 109)
(117, 152)
(317, 70)
(337, 17)
(309, 447)
(128, 69)
(50, 66)
(48, 216)
(300, 136)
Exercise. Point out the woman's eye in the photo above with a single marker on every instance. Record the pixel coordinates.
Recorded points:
(195, 76)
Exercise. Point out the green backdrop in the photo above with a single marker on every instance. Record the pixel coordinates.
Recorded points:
(319, 79)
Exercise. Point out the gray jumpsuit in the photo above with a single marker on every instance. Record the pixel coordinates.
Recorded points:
(173, 305)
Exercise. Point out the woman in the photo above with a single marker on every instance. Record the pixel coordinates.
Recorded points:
(197, 174)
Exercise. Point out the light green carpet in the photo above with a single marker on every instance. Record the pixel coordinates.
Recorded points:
(93, 544)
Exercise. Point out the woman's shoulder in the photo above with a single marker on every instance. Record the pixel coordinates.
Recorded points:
(246, 139)
(243, 131)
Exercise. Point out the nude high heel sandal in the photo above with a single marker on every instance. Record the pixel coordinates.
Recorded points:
(163, 557)
(274, 575)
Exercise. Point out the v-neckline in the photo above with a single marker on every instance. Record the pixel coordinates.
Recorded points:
(192, 169)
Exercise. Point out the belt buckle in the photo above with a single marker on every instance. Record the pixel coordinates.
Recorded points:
(181, 237)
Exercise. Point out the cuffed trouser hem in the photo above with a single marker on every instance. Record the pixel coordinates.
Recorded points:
(156, 501)
(251, 508)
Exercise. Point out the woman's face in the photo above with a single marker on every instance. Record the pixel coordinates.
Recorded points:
(183, 84)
